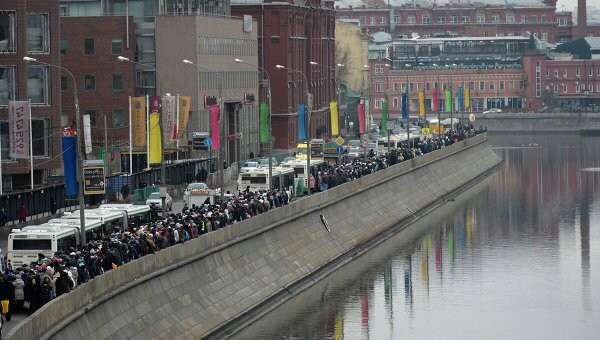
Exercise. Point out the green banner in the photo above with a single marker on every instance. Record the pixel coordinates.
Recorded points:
(448, 101)
(264, 122)
(384, 117)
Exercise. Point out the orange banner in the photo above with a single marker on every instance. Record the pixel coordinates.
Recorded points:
(184, 112)
(138, 121)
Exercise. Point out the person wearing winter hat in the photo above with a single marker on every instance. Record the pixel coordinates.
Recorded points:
(19, 293)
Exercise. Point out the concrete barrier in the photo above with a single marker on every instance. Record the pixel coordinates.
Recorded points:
(214, 284)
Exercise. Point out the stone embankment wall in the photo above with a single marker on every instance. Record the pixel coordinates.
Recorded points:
(211, 286)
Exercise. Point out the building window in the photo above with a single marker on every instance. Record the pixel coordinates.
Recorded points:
(38, 33)
(117, 82)
(565, 74)
(597, 87)
(534, 19)
(577, 73)
(396, 19)
(89, 47)
(37, 84)
(395, 101)
(382, 20)
(471, 85)
(501, 85)
(8, 86)
(441, 20)
(92, 114)
(7, 25)
(590, 72)
(425, 19)
(372, 21)
(395, 87)
(377, 104)
(511, 85)
(555, 73)
(544, 36)
(41, 137)
(492, 85)
(116, 46)
(411, 20)
(510, 18)
(480, 19)
(481, 85)
(466, 19)
(495, 18)
(562, 21)
(89, 82)
(64, 46)
(523, 19)
(453, 19)
(117, 117)
(362, 21)
(544, 19)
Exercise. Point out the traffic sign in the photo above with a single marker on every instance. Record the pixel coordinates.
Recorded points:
(208, 142)
(339, 141)
(93, 180)
(339, 149)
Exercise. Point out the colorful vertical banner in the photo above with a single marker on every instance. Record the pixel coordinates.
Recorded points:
(384, 117)
(448, 101)
(138, 121)
(301, 121)
(19, 116)
(361, 118)
(459, 98)
(215, 132)
(184, 113)
(422, 103)
(87, 134)
(467, 99)
(169, 115)
(404, 105)
(155, 149)
(333, 114)
(264, 122)
(70, 164)
(436, 100)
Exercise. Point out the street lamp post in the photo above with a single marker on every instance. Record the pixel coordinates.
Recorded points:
(270, 144)
(307, 127)
(220, 165)
(162, 142)
(80, 192)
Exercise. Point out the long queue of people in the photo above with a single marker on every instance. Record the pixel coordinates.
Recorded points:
(25, 289)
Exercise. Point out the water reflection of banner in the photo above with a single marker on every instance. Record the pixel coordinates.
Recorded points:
(361, 118)
(184, 113)
(264, 122)
(333, 113)
(169, 113)
(215, 133)
(70, 164)
(155, 151)
(138, 121)
(19, 116)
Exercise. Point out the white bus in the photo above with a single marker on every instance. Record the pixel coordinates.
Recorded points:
(135, 214)
(110, 219)
(299, 166)
(258, 179)
(25, 244)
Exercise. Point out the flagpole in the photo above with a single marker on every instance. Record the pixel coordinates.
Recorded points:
(30, 144)
(177, 129)
(0, 165)
(130, 141)
(147, 132)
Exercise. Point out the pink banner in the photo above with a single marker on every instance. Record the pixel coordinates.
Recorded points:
(361, 118)
(214, 127)
(436, 102)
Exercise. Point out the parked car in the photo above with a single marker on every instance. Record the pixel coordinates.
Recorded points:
(495, 110)
(264, 162)
(249, 165)
(195, 186)
(155, 199)
(288, 159)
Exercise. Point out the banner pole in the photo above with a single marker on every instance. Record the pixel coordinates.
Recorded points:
(177, 130)
(130, 141)
(147, 132)
(30, 145)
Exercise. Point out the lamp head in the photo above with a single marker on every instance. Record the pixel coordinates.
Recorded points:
(366, 66)
(279, 66)
(185, 61)
(29, 59)
(340, 65)
(237, 60)
(314, 63)
(121, 58)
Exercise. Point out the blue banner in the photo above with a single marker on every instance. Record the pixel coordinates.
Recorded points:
(302, 122)
(404, 105)
(459, 97)
(70, 164)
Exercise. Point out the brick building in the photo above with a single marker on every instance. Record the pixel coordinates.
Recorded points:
(31, 28)
(294, 35)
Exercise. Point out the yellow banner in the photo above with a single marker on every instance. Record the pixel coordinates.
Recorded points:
(333, 113)
(467, 98)
(138, 121)
(155, 150)
(184, 113)
(422, 103)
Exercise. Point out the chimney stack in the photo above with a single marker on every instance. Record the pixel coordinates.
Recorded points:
(581, 19)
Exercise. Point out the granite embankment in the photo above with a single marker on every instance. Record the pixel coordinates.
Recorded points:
(213, 285)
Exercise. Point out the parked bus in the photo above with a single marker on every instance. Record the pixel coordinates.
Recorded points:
(383, 144)
(25, 244)
(299, 166)
(135, 214)
(258, 179)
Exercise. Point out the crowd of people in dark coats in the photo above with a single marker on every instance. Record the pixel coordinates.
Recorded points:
(30, 286)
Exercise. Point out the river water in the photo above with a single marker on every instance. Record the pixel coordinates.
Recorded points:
(515, 257)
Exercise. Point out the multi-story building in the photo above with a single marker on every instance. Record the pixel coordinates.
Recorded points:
(294, 36)
(472, 19)
(31, 28)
